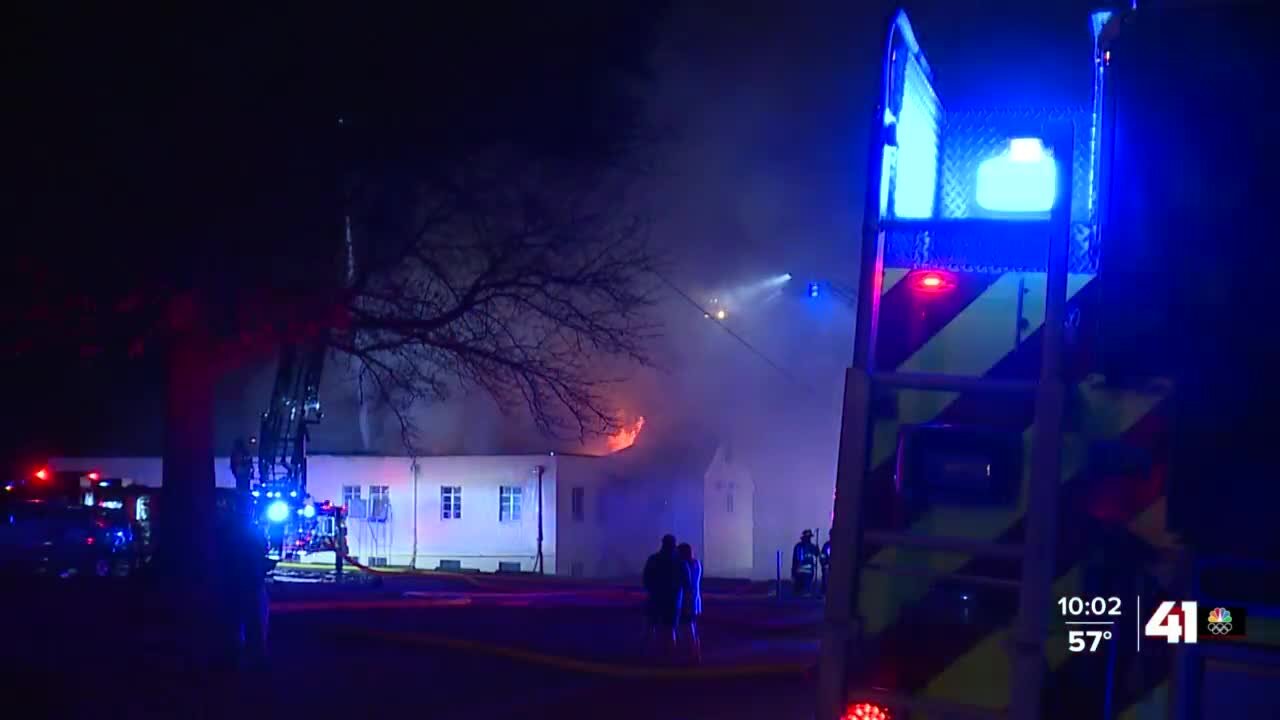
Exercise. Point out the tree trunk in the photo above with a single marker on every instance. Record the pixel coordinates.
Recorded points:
(185, 549)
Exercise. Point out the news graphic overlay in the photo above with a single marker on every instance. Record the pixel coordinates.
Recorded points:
(1224, 623)
(1090, 621)
(1183, 621)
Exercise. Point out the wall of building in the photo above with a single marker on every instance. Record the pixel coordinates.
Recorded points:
(728, 518)
(138, 470)
(624, 509)
(414, 530)
(584, 534)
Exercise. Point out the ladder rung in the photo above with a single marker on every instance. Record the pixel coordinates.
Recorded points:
(952, 383)
(946, 544)
(1002, 583)
(932, 708)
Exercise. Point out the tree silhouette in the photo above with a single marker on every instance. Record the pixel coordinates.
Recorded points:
(185, 194)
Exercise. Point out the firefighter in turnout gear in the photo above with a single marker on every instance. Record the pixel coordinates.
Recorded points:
(804, 563)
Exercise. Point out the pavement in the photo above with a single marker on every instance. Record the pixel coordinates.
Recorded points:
(436, 646)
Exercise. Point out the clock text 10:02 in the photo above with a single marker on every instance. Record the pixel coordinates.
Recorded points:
(1096, 606)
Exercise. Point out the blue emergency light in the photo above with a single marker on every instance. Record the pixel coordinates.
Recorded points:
(813, 289)
(1021, 179)
(278, 511)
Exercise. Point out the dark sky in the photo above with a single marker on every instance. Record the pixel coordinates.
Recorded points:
(768, 103)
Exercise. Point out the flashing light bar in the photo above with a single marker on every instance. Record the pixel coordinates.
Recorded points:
(867, 711)
(278, 511)
(932, 282)
(1021, 179)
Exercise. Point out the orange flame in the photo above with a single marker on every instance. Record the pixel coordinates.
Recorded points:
(626, 436)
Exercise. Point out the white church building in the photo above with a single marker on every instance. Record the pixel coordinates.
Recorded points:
(589, 516)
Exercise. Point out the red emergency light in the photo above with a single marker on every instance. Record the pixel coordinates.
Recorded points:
(932, 281)
(867, 711)
(42, 474)
(93, 476)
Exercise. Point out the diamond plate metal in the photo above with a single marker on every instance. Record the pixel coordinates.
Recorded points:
(971, 137)
(981, 246)
(958, 241)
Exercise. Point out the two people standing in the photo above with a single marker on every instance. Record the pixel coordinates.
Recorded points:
(673, 589)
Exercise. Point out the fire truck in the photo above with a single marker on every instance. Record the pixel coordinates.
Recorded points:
(296, 524)
(272, 467)
(75, 523)
(1052, 434)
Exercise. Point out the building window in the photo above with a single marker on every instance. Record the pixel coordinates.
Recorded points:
(379, 503)
(579, 500)
(352, 502)
(509, 503)
(450, 502)
(728, 502)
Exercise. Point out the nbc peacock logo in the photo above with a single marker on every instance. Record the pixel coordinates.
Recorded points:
(1219, 621)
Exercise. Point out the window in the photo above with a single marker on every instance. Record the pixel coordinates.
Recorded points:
(450, 502)
(579, 500)
(728, 499)
(352, 502)
(379, 503)
(509, 503)
(325, 526)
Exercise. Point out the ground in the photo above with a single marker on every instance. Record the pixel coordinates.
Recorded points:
(434, 646)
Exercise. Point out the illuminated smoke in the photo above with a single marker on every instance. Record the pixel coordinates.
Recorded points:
(626, 436)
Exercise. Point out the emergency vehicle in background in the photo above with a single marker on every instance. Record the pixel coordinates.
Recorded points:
(296, 524)
(1057, 381)
(74, 523)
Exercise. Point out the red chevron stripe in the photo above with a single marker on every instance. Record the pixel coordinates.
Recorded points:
(918, 626)
(1008, 411)
(923, 642)
(909, 318)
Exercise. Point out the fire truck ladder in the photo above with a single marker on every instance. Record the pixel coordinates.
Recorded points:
(295, 405)
(843, 623)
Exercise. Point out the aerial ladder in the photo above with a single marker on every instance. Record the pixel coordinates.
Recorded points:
(276, 478)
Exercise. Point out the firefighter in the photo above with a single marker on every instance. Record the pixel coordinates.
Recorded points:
(241, 464)
(825, 559)
(804, 563)
(245, 566)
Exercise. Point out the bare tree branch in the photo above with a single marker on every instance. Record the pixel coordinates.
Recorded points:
(523, 278)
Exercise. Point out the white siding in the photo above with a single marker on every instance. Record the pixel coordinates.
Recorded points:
(622, 521)
(579, 543)
(477, 540)
(728, 529)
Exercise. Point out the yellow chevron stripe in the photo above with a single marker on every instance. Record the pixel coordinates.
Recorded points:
(981, 677)
(971, 344)
(978, 338)
(892, 276)
(883, 596)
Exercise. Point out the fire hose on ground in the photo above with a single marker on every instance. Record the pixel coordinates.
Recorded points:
(491, 583)
(591, 667)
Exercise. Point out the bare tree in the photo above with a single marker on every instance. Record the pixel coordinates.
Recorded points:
(184, 195)
(525, 278)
